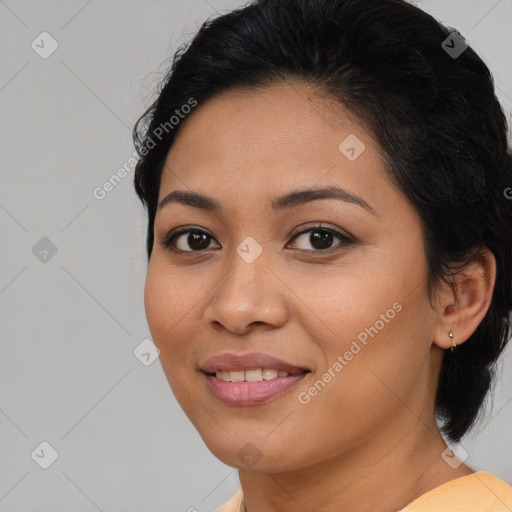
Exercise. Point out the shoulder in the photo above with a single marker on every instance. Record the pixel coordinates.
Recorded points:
(478, 492)
(233, 505)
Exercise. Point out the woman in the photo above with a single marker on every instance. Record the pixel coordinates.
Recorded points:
(329, 250)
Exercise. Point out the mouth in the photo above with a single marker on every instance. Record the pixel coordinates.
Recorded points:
(250, 379)
(246, 393)
(253, 374)
(250, 367)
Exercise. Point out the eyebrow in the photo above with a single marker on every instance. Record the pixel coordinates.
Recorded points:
(283, 202)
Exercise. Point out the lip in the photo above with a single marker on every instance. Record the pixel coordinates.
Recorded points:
(250, 393)
(229, 362)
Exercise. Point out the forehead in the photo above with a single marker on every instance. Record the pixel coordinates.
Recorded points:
(246, 143)
(284, 113)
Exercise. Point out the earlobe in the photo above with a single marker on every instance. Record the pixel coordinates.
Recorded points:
(461, 309)
(450, 335)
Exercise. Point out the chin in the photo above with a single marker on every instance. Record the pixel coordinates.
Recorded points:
(242, 452)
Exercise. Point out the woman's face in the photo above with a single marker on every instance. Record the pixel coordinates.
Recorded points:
(351, 308)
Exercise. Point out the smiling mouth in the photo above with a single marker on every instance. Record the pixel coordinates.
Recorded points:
(254, 374)
(242, 391)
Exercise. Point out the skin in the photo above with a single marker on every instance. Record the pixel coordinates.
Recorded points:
(372, 427)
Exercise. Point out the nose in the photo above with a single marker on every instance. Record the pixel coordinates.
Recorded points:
(249, 294)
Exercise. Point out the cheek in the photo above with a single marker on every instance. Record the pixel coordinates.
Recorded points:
(171, 301)
(166, 295)
(164, 309)
(165, 305)
(156, 303)
(380, 325)
(342, 310)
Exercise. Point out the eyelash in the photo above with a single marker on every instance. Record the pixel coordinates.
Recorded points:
(168, 240)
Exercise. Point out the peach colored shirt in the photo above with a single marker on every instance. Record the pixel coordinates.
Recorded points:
(478, 492)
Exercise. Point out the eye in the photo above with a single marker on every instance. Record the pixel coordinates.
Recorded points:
(197, 240)
(321, 238)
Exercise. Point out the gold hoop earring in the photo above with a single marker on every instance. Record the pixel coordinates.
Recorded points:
(450, 335)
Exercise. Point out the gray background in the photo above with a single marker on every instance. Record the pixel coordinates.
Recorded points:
(70, 323)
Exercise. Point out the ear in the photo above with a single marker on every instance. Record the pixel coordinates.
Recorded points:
(460, 310)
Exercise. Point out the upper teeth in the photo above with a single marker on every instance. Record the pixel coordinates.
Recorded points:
(251, 375)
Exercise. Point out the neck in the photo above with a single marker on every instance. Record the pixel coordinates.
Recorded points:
(385, 473)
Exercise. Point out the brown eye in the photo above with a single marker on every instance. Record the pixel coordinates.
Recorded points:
(321, 239)
(195, 241)
(191, 240)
